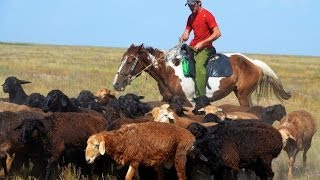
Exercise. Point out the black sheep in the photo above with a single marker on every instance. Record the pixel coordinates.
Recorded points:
(12, 85)
(57, 101)
(233, 145)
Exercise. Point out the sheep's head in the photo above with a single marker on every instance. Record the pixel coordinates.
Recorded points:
(104, 96)
(57, 101)
(28, 126)
(35, 100)
(197, 130)
(13, 84)
(275, 112)
(286, 136)
(95, 147)
(162, 114)
(86, 96)
(210, 109)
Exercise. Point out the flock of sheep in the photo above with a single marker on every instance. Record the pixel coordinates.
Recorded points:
(127, 138)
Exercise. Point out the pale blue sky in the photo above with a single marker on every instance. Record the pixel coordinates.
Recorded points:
(289, 27)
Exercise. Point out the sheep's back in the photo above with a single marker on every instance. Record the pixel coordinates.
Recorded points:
(10, 120)
(72, 127)
(250, 139)
(153, 142)
(301, 122)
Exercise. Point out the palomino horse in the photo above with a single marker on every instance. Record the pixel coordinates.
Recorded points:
(247, 76)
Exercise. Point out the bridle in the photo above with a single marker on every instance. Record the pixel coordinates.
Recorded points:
(153, 59)
(154, 62)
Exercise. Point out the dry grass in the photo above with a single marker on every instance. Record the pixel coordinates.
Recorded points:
(72, 69)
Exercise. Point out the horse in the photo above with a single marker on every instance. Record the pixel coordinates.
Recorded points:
(247, 76)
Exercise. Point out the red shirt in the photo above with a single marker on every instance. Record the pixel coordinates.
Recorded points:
(201, 23)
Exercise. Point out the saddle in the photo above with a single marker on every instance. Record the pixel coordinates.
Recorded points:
(217, 65)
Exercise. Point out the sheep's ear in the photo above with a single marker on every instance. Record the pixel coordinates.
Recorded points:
(165, 106)
(231, 116)
(201, 109)
(188, 108)
(114, 93)
(292, 137)
(23, 82)
(170, 115)
(154, 111)
(102, 147)
(63, 102)
(19, 127)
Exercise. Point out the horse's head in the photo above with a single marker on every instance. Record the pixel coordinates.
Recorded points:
(135, 60)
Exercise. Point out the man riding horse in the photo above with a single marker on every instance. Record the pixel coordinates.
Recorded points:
(206, 30)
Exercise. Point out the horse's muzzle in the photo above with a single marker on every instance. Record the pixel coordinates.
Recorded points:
(117, 87)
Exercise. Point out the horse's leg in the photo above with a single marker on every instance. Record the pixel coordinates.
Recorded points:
(244, 97)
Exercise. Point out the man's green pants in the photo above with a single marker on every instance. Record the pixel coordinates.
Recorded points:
(201, 58)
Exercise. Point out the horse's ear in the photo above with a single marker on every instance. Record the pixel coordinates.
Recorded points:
(140, 47)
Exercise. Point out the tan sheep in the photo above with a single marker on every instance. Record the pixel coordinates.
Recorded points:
(164, 114)
(104, 95)
(148, 144)
(231, 115)
(297, 129)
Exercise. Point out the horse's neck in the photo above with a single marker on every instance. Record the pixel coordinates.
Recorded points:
(162, 74)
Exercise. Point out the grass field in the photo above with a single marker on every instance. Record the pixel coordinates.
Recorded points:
(72, 69)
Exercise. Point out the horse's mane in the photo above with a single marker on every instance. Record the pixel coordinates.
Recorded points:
(153, 51)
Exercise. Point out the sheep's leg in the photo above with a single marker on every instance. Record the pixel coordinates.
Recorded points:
(132, 171)
(4, 166)
(9, 161)
(179, 163)
(51, 163)
(307, 147)
(292, 158)
(263, 167)
(159, 172)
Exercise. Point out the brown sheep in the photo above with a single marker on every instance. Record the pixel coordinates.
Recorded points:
(297, 129)
(148, 144)
(7, 106)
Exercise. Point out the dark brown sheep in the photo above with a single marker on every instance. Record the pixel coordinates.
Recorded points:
(297, 129)
(147, 144)
(63, 131)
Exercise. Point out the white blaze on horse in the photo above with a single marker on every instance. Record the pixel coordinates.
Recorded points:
(247, 76)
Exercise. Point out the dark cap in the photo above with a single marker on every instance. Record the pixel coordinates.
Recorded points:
(191, 2)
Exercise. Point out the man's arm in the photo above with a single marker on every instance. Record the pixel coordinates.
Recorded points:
(185, 36)
(214, 36)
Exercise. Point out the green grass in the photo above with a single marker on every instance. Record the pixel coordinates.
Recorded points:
(73, 68)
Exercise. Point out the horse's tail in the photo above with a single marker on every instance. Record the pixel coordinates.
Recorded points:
(270, 82)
